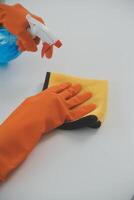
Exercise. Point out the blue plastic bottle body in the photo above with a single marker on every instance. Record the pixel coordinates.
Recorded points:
(8, 48)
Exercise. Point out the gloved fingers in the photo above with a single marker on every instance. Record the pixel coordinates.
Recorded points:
(21, 46)
(45, 47)
(37, 40)
(27, 41)
(59, 88)
(20, 7)
(2, 15)
(71, 91)
(47, 50)
(81, 111)
(4, 6)
(78, 99)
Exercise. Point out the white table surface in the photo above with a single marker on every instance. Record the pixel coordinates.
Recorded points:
(98, 38)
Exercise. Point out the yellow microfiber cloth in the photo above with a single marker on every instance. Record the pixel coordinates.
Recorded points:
(99, 89)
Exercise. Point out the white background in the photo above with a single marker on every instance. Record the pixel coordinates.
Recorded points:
(98, 42)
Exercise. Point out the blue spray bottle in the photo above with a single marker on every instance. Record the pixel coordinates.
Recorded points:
(8, 48)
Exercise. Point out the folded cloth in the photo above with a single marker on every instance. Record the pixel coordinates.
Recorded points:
(99, 89)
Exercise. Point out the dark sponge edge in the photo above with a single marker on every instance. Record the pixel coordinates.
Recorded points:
(88, 121)
(45, 86)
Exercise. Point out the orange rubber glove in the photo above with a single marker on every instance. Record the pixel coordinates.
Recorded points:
(14, 19)
(36, 116)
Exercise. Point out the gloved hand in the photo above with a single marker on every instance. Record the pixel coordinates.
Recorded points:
(14, 19)
(36, 116)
